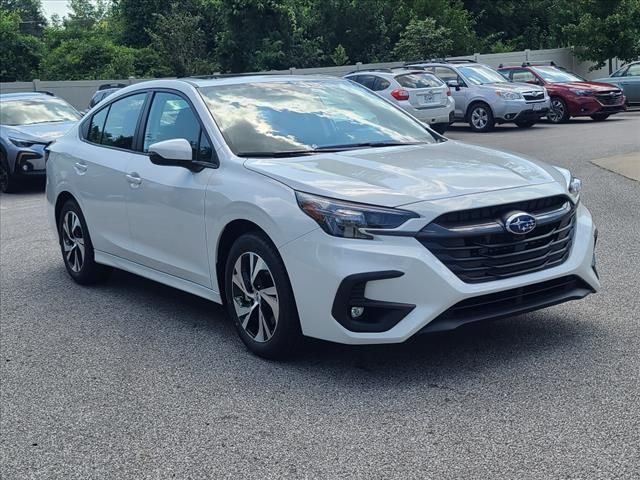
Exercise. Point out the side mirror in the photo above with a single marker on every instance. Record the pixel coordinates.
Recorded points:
(176, 152)
(454, 84)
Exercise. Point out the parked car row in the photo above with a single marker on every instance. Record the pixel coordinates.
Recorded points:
(437, 93)
(484, 97)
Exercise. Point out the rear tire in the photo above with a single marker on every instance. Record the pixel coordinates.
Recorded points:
(558, 113)
(440, 127)
(600, 117)
(76, 247)
(480, 117)
(260, 300)
(8, 182)
(528, 124)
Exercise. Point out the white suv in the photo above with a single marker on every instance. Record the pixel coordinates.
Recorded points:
(312, 207)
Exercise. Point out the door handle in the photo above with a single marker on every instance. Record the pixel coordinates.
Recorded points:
(81, 168)
(134, 179)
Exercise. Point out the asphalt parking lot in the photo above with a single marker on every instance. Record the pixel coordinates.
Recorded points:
(135, 380)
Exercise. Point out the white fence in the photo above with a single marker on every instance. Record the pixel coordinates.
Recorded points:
(79, 92)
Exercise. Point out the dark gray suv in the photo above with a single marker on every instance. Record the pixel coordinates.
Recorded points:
(28, 123)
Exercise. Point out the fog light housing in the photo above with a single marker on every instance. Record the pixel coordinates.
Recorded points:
(357, 312)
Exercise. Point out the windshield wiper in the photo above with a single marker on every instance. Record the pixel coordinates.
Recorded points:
(324, 149)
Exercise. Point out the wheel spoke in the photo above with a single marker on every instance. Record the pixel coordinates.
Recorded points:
(239, 282)
(270, 297)
(248, 312)
(258, 266)
(260, 336)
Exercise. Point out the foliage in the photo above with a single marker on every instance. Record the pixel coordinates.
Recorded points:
(424, 39)
(150, 38)
(607, 29)
(20, 53)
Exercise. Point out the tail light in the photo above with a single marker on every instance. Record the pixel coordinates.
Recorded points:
(448, 92)
(400, 94)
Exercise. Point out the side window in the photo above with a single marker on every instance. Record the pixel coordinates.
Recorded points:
(120, 127)
(170, 117)
(523, 76)
(205, 152)
(445, 74)
(367, 80)
(633, 71)
(97, 126)
(380, 84)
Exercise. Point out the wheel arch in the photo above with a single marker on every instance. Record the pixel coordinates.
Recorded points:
(475, 102)
(230, 233)
(62, 198)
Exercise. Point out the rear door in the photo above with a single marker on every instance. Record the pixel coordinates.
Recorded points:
(459, 94)
(425, 91)
(165, 204)
(101, 165)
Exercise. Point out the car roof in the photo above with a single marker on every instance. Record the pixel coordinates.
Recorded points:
(8, 96)
(391, 73)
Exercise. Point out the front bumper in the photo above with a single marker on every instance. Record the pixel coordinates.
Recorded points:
(414, 283)
(587, 106)
(520, 110)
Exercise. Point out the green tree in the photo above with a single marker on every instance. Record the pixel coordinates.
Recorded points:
(180, 40)
(21, 53)
(423, 39)
(32, 20)
(340, 56)
(606, 30)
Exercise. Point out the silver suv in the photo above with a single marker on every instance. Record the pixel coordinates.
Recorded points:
(421, 94)
(483, 97)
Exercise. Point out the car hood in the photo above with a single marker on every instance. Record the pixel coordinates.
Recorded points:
(595, 86)
(514, 87)
(38, 132)
(395, 176)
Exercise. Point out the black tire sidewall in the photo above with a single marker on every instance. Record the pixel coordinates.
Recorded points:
(91, 272)
(11, 182)
(287, 338)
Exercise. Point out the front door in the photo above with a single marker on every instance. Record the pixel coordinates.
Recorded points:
(165, 204)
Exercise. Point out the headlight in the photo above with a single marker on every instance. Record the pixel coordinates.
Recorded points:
(583, 93)
(574, 185)
(346, 220)
(507, 95)
(19, 142)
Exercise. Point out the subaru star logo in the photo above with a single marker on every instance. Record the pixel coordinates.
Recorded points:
(520, 223)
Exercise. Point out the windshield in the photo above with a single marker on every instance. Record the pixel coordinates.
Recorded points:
(305, 115)
(27, 111)
(480, 74)
(555, 75)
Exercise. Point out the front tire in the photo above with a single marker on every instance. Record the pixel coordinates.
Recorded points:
(600, 117)
(558, 113)
(480, 118)
(439, 127)
(260, 300)
(8, 182)
(77, 249)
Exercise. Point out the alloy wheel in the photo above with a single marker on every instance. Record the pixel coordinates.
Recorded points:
(556, 112)
(479, 118)
(73, 241)
(255, 297)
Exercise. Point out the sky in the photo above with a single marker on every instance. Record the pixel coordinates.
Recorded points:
(54, 6)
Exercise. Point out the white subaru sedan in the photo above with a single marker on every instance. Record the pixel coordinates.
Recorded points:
(311, 207)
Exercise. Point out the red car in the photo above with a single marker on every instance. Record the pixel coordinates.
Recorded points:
(571, 95)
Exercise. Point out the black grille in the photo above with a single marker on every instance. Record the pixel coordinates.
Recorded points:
(511, 302)
(610, 98)
(533, 96)
(476, 247)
